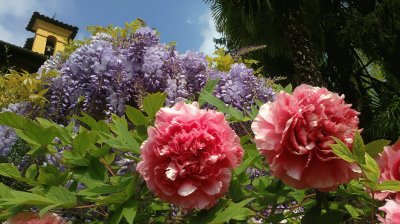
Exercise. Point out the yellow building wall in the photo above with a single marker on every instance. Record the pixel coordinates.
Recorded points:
(44, 29)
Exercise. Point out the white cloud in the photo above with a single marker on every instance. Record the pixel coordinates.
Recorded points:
(15, 15)
(208, 33)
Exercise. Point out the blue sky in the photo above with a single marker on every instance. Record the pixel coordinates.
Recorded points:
(188, 22)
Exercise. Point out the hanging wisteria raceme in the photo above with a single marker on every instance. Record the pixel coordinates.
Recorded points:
(94, 80)
(189, 78)
(239, 87)
(53, 63)
(99, 78)
(8, 137)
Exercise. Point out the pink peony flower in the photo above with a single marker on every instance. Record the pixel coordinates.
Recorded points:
(389, 164)
(33, 218)
(294, 133)
(392, 210)
(188, 156)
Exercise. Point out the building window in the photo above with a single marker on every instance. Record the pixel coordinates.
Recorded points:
(50, 46)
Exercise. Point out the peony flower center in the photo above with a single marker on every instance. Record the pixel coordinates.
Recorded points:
(191, 153)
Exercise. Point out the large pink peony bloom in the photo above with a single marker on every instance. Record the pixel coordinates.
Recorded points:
(389, 164)
(188, 157)
(392, 210)
(294, 133)
(33, 218)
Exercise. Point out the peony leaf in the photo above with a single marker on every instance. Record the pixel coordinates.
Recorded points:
(358, 148)
(389, 185)
(376, 147)
(370, 169)
(342, 151)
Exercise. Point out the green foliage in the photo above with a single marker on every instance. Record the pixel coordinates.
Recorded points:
(118, 32)
(287, 89)
(153, 102)
(365, 161)
(223, 61)
(353, 46)
(17, 87)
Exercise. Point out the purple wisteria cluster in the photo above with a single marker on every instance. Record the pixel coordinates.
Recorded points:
(7, 135)
(240, 87)
(105, 74)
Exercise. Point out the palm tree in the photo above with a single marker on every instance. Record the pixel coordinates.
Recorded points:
(325, 43)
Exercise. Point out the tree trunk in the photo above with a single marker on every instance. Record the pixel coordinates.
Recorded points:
(302, 53)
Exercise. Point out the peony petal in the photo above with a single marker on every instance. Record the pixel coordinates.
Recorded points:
(212, 187)
(171, 171)
(186, 188)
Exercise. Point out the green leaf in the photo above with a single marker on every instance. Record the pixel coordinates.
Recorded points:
(61, 196)
(129, 210)
(210, 99)
(342, 151)
(83, 141)
(124, 139)
(376, 147)
(153, 102)
(370, 169)
(92, 176)
(116, 198)
(13, 120)
(73, 159)
(245, 164)
(100, 190)
(117, 216)
(51, 175)
(4, 190)
(136, 116)
(44, 210)
(100, 126)
(358, 148)
(288, 89)
(235, 113)
(389, 185)
(352, 211)
(31, 172)
(209, 88)
(37, 136)
(235, 211)
(9, 170)
(25, 198)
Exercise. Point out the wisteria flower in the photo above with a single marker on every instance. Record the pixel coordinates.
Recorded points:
(389, 165)
(295, 131)
(392, 210)
(33, 218)
(188, 156)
